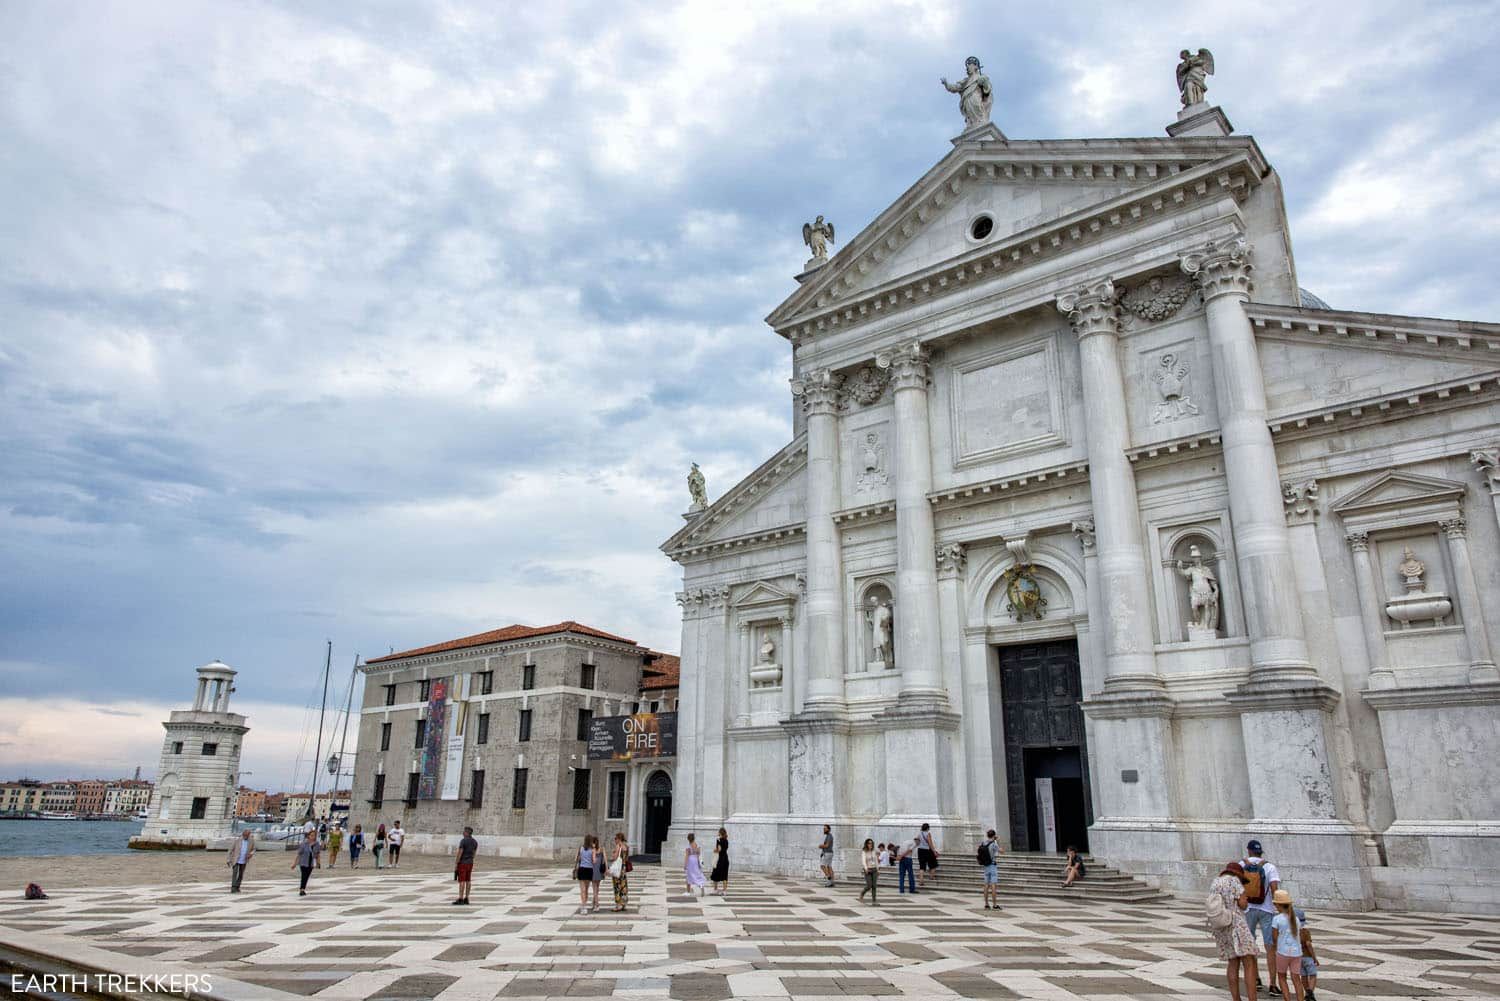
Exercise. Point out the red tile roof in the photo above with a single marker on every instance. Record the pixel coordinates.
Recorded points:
(663, 672)
(514, 632)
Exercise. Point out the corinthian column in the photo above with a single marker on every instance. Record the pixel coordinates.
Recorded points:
(821, 399)
(918, 654)
(1487, 461)
(1481, 660)
(1263, 552)
(1128, 647)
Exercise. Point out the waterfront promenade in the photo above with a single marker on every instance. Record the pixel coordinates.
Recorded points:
(395, 935)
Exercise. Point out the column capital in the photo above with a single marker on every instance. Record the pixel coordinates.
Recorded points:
(909, 365)
(1487, 461)
(820, 391)
(1300, 501)
(951, 559)
(1221, 267)
(1092, 308)
(1358, 541)
(1084, 530)
(1454, 528)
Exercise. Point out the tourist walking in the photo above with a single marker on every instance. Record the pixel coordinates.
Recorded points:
(825, 854)
(720, 875)
(1227, 901)
(1287, 937)
(239, 857)
(380, 842)
(1309, 961)
(883, 852)
(1073, 868)
(583, 871)
(1262, 880)
(692, 867)
(989, 858)
(904, 872)
(599, 867)
(335, 842)
(397, 836)
(463, 870)
(927, 856)
(869, 864)
(307, 858)
(356, 846)
(619, 871)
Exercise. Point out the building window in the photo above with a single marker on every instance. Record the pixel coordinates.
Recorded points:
(412, 778)
(616, 802)
(421, 734)
(586, 676)
(655, 705)
(635, 707)
(385, 736)
(486, 682)
(200, 808)
(483, 736)
(390, 695)
(580, 789)
(424, 689)
(523, 729)
(210, 750)
(377, 794)
(476, 788)
(584, 716)
(518, 793)
(176, 747)
(528, 677)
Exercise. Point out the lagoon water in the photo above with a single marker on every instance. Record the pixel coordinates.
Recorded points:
(66, 837)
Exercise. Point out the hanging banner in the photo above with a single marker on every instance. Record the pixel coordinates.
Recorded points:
(453, 759)
(643, 735)
(432, 747)
(1046, 815)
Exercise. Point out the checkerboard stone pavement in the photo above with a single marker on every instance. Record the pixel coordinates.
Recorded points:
(396, 936)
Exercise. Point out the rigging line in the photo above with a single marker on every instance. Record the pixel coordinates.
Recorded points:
(312, 798)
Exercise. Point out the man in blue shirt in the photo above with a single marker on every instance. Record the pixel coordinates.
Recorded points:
(239, 857)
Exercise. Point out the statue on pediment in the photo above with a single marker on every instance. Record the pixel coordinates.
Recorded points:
(1192, 76)
(697, 489)
(975, 95)
(818, 234)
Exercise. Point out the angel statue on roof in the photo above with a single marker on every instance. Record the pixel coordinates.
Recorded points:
(975, 95)
(818, 234)
(1192, 76)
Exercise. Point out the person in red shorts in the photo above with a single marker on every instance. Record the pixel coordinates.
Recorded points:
(464, 870)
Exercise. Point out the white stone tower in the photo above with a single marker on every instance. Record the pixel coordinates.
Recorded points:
(193, 804)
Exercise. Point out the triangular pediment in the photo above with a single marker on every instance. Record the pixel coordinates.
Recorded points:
(1025, 187)
(761, 593)
(771, 499)
(1394, 488)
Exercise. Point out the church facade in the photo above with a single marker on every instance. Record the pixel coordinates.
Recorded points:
(1097, 530)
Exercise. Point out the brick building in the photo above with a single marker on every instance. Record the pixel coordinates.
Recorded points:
(249, 802)
(492, 731)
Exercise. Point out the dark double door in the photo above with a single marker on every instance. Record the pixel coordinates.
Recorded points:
(1040, 688)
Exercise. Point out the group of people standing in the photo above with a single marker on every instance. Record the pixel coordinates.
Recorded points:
(591, 865)
(1246, 898)
(317, 839)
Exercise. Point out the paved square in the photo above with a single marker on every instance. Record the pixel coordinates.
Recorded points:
(382, 935)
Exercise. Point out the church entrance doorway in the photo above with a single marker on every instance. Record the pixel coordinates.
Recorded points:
(658, 813)
(1046, 753)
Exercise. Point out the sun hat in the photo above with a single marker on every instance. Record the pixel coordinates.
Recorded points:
(1281, 897)
(1233, 869)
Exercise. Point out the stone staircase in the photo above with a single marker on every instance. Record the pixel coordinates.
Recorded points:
(1038, 874)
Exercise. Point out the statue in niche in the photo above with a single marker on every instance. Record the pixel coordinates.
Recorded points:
(818, 235)
(768, 650)
(697, 488)
(1192, 76)
(1412, 570)
(1203, 592)
(879, 618)
(975, 94)
(1170, 379)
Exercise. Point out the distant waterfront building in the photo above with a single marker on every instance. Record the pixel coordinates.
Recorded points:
(125, 797)
(275, 805)
(249, 802)
(89, 797)
(199, 771)
(323, 806)
(21, 796)
(534, 736)
(59, 797)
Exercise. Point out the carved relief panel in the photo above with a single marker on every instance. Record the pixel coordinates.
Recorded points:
(1008, 402)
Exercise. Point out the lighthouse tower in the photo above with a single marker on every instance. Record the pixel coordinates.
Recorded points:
(193, 805)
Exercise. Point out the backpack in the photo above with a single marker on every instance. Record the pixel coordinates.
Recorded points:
(985, 856)
(1255, 881)
(34, 892)
(1216, 913)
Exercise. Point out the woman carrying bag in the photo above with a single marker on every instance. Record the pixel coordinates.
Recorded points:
(619, 871)
(380, 847)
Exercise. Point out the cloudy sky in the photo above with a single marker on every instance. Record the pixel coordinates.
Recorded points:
(389, 322)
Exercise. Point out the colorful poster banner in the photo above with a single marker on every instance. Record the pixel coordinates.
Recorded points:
(432, 747)
(643, 735)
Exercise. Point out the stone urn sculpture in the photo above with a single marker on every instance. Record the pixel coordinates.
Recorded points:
(1417, 604)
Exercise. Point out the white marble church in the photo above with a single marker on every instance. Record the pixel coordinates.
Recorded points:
(1096, 529)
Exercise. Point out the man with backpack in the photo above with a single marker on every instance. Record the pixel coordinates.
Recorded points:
(988, 858)
(1262, 880)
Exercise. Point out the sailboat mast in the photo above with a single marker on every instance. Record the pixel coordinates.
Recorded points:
(348, 707)
(312, 799)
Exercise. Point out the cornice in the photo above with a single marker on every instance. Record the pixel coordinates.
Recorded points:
(833, 309)
(879, 511)
(1433, 398)
(1376, 328)
(501, 647)
(1432, 696)
(1015, 483)
(1204, 442)
(754, 540)
(788, 460)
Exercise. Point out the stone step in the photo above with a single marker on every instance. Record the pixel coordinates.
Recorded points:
(1038, 874)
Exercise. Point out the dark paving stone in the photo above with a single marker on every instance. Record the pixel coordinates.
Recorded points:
(233, 951)
(910, 950)
(691, 928)
(420, 987)
(692, 950)
(1086, 986)
(1438, 955)
(350, 951)
(968, 985)
(306, 987)
(465, 952)
(700, 987)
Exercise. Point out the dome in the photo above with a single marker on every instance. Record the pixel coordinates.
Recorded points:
(216, 667)
(1307, 300)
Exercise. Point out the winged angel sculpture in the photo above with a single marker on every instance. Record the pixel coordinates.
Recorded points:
(1192, 76)
(818, 235)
